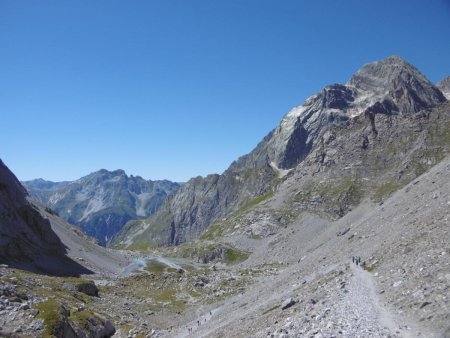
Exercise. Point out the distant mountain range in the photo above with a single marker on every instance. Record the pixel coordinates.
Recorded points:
(343, 144)
(102, 202)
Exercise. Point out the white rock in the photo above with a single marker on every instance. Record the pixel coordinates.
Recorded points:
(397, 284)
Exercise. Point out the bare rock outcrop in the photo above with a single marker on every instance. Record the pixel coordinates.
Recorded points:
(444, 86)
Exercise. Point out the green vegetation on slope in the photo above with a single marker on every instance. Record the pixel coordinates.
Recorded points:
(52, 313)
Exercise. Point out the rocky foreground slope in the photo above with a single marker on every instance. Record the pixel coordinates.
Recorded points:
(384, 108)
(402, 291)
(102, 202)
(36, 246)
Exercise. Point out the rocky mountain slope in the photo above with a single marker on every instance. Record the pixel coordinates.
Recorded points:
(402, 291)
(444, 86)
(372, 108)
(102, 202)
(300, 280)
(26, 237)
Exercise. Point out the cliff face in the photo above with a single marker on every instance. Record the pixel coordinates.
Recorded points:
(26, 238)
(388, 89)
(197, 204)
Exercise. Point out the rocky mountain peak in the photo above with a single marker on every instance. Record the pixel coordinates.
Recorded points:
(10, 187)
(393, 79)
(377, 74)
(389, 86)
(119, 172)
(104, 173)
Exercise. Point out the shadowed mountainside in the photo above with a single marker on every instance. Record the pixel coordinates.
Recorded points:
(26, 238)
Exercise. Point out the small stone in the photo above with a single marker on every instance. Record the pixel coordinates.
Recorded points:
(287, 303)
(199, 284)
(397, 284)
(24, 306)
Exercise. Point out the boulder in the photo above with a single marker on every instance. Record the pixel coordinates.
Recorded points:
(87, 287)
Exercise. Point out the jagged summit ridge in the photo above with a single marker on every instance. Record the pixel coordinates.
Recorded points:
(376, 75)
(396, 80)
(392, 84)
(103, 201)
(389, 86)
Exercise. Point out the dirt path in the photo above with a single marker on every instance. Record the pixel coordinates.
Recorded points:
(363, 305)
(189, 330)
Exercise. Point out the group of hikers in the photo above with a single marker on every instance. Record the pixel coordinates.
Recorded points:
(357, 261)
(190, 329)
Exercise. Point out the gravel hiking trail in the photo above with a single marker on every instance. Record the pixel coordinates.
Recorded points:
(362, 306)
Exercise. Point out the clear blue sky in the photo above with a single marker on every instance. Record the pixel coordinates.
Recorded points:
(174, 88)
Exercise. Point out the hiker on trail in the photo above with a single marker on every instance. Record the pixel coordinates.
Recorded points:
(353, 259)
(198, 322)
